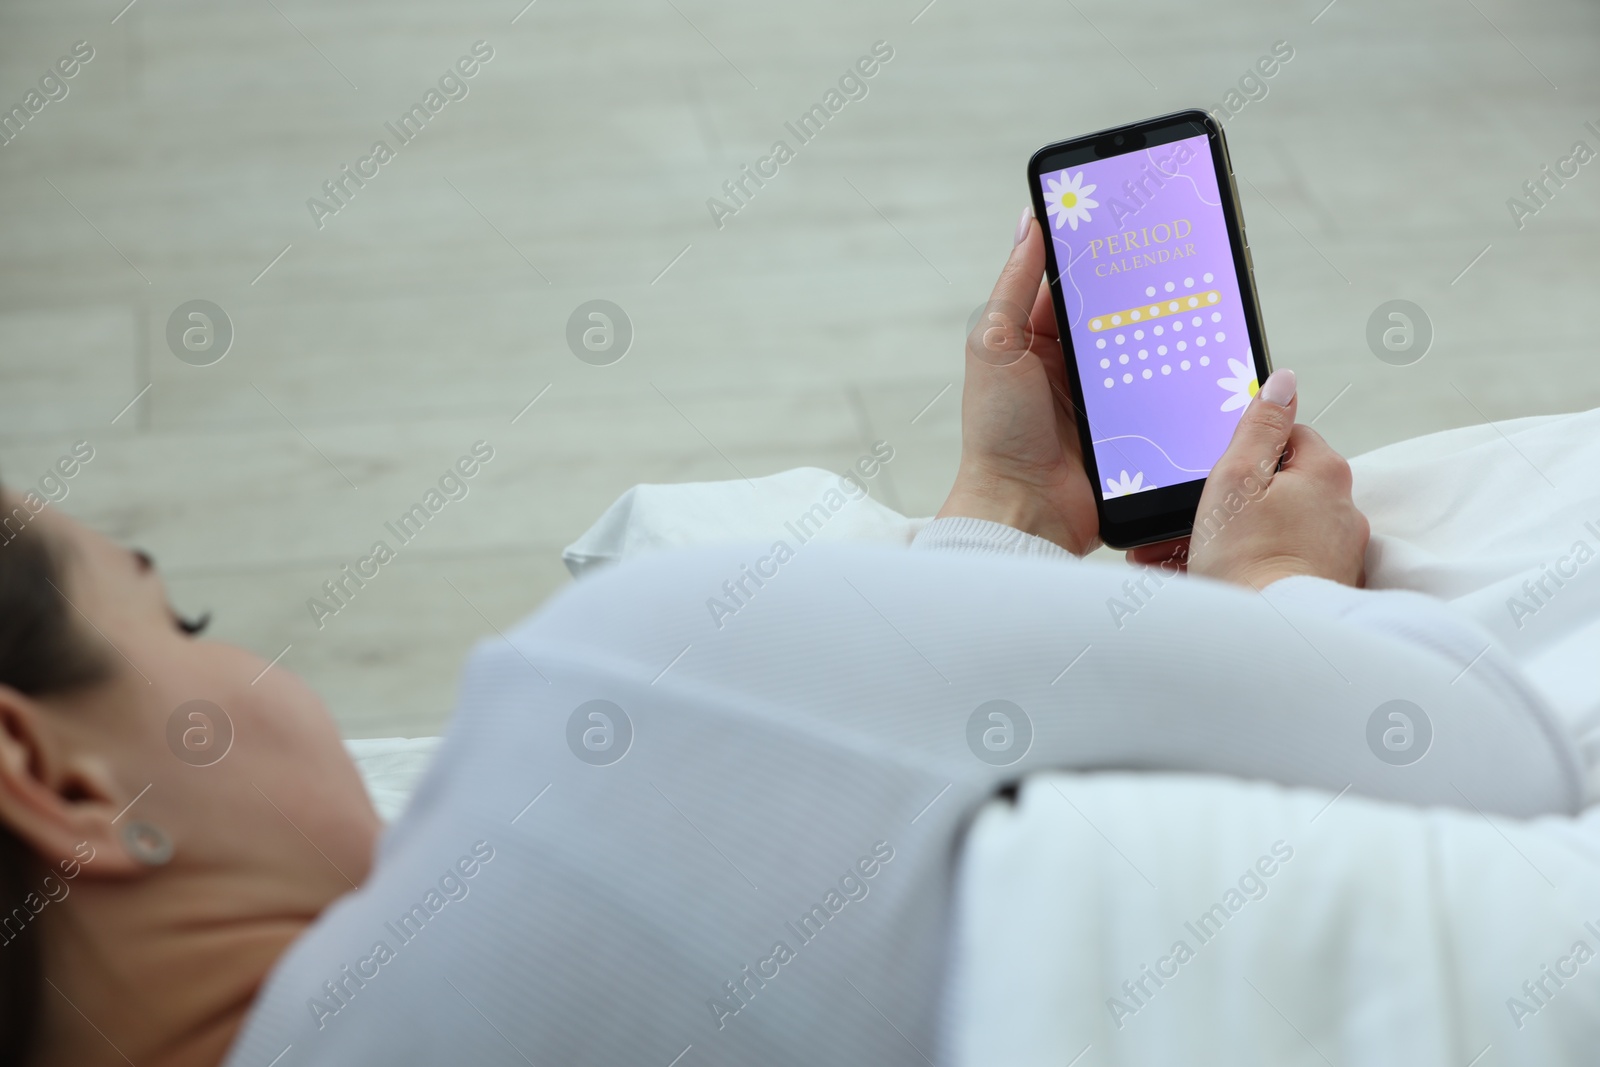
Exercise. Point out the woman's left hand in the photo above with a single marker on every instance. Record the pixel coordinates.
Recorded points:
(1021, 458)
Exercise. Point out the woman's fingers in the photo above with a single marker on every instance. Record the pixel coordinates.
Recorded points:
(1151, 555)
(1259, 442)
(1259, 522)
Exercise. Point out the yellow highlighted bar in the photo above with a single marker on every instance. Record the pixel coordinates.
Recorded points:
(1156, 309)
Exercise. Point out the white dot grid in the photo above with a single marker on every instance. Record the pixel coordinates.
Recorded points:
(1158, 330)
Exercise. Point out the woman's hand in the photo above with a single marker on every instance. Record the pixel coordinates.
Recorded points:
(1021, 459)
(1257, 523)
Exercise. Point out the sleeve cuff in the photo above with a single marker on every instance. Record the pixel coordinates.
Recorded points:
(1336, 600)
(1321, 594)
(980, 537)
(1409, 616)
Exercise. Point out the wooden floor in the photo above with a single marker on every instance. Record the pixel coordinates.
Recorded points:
(375, 344)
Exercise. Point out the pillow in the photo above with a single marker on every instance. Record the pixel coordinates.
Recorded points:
(796, 506)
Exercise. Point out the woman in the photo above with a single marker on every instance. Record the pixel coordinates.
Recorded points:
(642, 840)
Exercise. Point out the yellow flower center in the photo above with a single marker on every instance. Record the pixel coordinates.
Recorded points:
(1069, 199)
(1254, 386)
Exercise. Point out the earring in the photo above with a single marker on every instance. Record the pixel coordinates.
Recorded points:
(147, 843)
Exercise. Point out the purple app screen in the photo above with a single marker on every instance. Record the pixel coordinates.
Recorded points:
(1154, 311)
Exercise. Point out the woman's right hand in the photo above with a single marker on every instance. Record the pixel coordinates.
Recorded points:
(1257, 523)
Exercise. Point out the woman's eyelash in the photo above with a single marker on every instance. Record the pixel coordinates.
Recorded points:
(193, 627)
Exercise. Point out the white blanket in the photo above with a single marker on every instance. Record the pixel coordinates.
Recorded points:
(1389, 936)
(1381, 934)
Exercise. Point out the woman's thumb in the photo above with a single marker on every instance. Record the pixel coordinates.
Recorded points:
(1263, 430)
(1003, 332)
(1019, 280)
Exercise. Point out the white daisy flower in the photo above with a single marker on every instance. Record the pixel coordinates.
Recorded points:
(1068, 201)
(1124, 487)
(1242, 385)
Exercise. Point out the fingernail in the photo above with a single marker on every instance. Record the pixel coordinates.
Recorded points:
(1279, 388)
(1022, 226)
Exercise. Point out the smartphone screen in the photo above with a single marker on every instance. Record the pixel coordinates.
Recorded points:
(1154, 304)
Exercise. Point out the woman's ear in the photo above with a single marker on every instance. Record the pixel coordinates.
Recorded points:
(65, 805)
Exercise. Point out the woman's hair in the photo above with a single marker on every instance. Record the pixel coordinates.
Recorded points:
(42, 653)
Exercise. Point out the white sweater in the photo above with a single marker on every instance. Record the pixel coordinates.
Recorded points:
(764, 875)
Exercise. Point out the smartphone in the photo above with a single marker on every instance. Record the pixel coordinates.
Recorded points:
(1149, 268)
